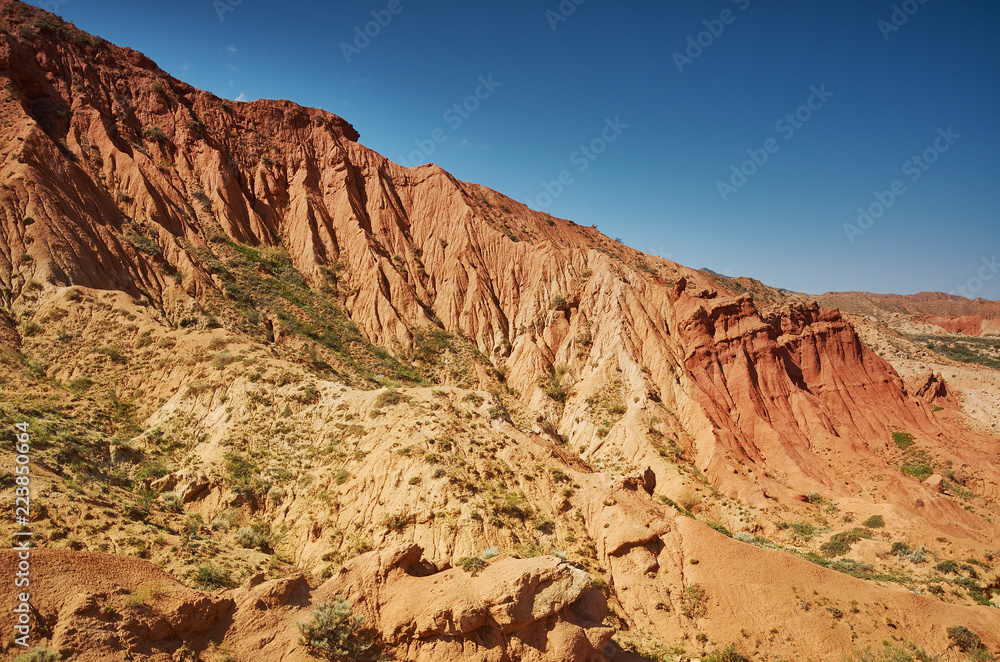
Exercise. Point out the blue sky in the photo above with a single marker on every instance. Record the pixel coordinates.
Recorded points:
(638, 116)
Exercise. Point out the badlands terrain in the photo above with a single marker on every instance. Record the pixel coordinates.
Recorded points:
(268, 374)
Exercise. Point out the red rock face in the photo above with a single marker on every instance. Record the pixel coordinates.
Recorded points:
(971, 325)
(785, 386)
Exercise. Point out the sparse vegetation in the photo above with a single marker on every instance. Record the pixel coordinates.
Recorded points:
(965, 639)
(840, 543)
(153, 133)
(42, 654)
(255, 536)
(334, 631)
(472, 564)
(730, 653)
(693, 601)
(874, 522)
(208, 577)
(891, 653)
(902, 439)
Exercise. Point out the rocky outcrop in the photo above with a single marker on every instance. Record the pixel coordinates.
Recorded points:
(932, 388)
(113, 608)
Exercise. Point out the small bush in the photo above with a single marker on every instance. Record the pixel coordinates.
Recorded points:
(153, 133)
(209, 577)
(948, 567)
(902, 439)
(389, 398)
(965, 639)
(693, 601)
(472, 564)
(39, 655)
(171, 501)
(728, 654)
(891, 653)
(255, 536)
(333, 630)
(841, 543)
(395, 521)
(874, 522)
(202, 199)
(111, 352)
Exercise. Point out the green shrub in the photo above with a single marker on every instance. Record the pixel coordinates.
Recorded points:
(39, 655)
(395, 521)
(171, 501)
(202, 199)
(111, 352)
(891, 653)
(209, 577)
(918, 471)
(965, 639)
(472, 564)
(154, 133)
(721, 529)
(389, 398)
(728, 654)
(902, 439)
(799, 528)
(841, 543)
(255, 536)
(874, 522)
(334, 631)
(947, 567)
(693, 601)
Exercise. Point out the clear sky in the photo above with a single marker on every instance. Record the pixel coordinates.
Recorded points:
(738, 135)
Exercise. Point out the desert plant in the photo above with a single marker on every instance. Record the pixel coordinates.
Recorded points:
(840, 543)
(171, 501)
(334, 631)
(154, 133)
(947, 567)
(255, 536)
(472, 564)
(728, 654)
(965, 639)
(693, 601)
(209, 577)
(891, 653)
(39, 655)
(874, 522)
(902, 439)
